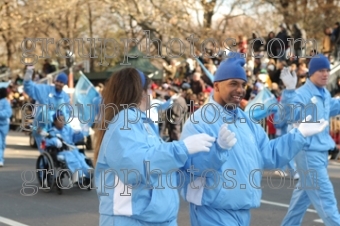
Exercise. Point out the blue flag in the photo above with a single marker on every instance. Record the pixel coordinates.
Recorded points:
(86, 97)
(210, 76)
(263, 105)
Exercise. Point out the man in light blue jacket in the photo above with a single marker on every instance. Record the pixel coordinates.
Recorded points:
(222, 190)
(5, 114)
(316, 101)
(44, 94)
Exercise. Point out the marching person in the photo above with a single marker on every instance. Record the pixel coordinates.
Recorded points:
(221, 190)
(5, 115)
(127, 139)
(312, 161)
(50, 95)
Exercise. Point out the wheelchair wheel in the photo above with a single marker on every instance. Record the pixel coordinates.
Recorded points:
(62, 176)
(85, 183)
(45, 172)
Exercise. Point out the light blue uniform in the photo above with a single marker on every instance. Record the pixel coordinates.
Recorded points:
(126, 150)
(47, 95)
(5, 114)
(74, 159)
(228, 201)
(313, 157)
(285, 128)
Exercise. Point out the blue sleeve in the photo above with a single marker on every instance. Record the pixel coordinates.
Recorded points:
(77, 136)
(51, 142)
(214, 159)
(295, 107)
(134, 149)
(36, 91)
(334, 107)
(276, 153)
(279, 121)
(6, 111)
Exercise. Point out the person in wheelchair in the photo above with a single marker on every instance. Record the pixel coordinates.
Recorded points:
(60, 134)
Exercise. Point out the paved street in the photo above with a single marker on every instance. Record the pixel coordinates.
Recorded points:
(78, 207)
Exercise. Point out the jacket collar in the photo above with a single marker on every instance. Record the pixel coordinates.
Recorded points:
(312, 88)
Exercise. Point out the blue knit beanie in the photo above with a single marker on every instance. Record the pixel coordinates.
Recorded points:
(231, 68)
(318, 62)
(57, 114)
(62, 77)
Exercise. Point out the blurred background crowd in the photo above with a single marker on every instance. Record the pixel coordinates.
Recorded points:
(243, 21)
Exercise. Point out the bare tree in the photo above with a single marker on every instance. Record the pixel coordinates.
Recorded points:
(10, 29)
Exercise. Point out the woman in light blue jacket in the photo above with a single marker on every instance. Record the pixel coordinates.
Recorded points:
(5, 115)
(135, 173)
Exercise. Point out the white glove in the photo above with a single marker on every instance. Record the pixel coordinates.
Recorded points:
(288, 79)
(58, 143)
(226, 139)
(198, 142)
(29, 73)
(43, 133)
(312, 128)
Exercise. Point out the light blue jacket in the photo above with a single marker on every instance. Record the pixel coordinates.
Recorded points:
(133, 150)
(235, 176)
(66, 133)
(325, 107)
(47, 95)
(5, 112)
(278, 120)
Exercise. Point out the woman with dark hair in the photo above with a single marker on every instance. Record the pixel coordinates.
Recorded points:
(128, 149)
(5, 115)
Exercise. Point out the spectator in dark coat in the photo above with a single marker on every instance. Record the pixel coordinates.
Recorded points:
(175, 116)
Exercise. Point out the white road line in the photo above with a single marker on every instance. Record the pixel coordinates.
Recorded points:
(285, 205)
(11, 222)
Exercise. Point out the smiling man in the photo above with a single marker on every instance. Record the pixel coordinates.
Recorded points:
(224, 184)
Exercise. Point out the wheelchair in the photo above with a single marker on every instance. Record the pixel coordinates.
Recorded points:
(52, 170)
